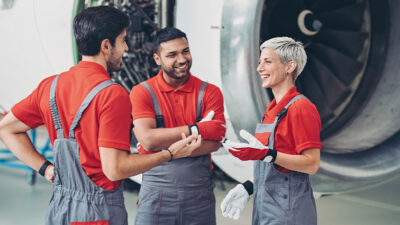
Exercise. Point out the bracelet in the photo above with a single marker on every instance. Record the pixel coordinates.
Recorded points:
(44, 167)
(170, 153)
(248, 185)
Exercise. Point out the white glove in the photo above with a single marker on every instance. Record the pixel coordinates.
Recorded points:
(234, 202)
(253, 142)
(210, 115)
(253, 150)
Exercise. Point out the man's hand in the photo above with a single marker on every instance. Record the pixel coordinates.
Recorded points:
(253, 150)
(209, 129)
(186, 146)
(234, 202)
(49, 174)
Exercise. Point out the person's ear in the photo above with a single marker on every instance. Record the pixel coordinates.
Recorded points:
(291, 67)
(156, 58)
(105, 47)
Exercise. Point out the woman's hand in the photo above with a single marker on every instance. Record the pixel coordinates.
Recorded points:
(253, 150)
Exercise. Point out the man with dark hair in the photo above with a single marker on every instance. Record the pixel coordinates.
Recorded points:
(171, 103)
(89, 37)
(88, 120)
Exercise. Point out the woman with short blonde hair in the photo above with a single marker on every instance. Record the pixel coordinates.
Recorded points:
(286, 145)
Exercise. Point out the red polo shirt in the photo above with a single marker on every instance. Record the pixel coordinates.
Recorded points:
(105, 123)
(178, 105)
(298, 130)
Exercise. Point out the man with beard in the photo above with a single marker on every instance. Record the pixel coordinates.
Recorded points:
(163, 107)
(88, 120)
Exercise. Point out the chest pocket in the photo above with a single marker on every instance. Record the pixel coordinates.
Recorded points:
(261, 134)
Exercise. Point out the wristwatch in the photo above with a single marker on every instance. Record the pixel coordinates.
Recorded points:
(271, 156)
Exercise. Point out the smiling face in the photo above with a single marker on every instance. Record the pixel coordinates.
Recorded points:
(272, 71)
(174, 58)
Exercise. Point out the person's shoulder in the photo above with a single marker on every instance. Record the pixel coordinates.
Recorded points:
(151, 81)
(114, 96)
(138, 89)
(140, 93)
(45, 84)
(48, 80)
(139, 86)
(114, 91)
(118, 89)
(303, 105)
(209, 86)
(212, 88)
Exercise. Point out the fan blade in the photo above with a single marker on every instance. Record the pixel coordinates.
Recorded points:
(312, 90)
(334, 90)
(287, 17)
(326, 5)
(348, 18)
(348, 42)
(343, 66)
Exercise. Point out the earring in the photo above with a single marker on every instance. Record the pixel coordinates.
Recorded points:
(287, 73)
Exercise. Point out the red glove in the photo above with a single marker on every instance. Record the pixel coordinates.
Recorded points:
(141, 150)
(212, 130)
(254, 150)
(208, 128)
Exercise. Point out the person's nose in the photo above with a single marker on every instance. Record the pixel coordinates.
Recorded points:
(181, 58)
(126, 48)
(260, 68)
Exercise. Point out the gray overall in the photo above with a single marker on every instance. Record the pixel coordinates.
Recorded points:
(180, 191)
(75, 197)
(281, 198)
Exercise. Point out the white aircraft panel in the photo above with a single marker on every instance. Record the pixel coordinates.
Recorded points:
(38, 44)
(201, 21)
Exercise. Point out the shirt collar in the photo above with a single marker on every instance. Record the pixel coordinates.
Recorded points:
(273, 108)
(165, 87)
(92, 65)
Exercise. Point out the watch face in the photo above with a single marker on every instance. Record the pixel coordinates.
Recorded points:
(268, 158)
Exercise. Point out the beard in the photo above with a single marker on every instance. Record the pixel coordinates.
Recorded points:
(114, 63)
(113, 66)
(173, 74)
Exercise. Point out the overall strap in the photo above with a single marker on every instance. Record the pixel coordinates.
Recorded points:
(200, 101)
(54, 110)
(281, 114)
(86, 103)
(156, 106)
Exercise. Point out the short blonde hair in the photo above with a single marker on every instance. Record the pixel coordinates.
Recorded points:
(288, 50)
